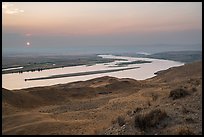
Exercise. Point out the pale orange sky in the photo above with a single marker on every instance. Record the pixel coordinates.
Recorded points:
(100, 18)
(101, 26)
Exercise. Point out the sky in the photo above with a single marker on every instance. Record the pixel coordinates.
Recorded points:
(97, 27)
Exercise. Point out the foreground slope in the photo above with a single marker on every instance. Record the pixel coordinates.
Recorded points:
(169, 103)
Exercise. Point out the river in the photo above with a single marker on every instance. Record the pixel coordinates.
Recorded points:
(146, 70)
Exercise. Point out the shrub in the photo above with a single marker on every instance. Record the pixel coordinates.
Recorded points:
(129, 113)
(178, 93)
(133, 112)
(121, 121)
(189, 119)
(194, 89)
(184, 110)
(138, 109)
(154, 96)
(148, 102)
(151, 119)
(184, 131)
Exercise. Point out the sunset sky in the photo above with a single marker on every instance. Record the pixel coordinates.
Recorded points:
(94, 27)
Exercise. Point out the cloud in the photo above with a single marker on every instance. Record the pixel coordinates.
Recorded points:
(9, 8)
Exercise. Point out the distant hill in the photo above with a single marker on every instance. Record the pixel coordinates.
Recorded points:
(181, 56)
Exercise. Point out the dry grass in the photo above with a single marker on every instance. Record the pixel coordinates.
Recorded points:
(154, 96)
(133, 112)
(120, 121)
(151, 119)
(178, 93)
(194, 89)
(184, 131)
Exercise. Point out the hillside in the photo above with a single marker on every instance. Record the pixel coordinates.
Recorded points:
(182, 56)
(169, 103)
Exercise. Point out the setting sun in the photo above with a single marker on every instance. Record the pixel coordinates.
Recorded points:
(28, 43)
